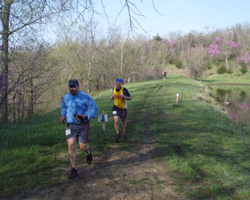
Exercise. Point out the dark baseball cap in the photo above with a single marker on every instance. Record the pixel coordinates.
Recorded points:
(73, 82)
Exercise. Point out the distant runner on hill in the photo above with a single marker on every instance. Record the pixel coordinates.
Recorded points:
(164, 73)
(120, 96)
(77, 109)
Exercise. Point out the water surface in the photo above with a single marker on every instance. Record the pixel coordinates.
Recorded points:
(235, 100)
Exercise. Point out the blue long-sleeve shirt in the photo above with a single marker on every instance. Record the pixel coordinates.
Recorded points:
(81, 103)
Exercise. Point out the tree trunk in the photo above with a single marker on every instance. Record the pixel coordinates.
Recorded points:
(14, 108)
(31, 109)
(23, 105)
(19, 105)
(5, 17)
(89, 72)
(121, 66)
(226, 60)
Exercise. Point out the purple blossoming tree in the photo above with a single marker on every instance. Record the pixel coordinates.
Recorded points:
(234, 45)
(213, 50)
(245, 60)
(224, 49)
(219, 40)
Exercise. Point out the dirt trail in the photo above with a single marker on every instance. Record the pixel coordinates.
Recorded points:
(119, 174)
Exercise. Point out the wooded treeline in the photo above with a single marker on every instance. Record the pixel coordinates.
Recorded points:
(25, 57)
(38, 72)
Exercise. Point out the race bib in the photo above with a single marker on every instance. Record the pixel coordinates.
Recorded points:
(68, 132)
(114, 112)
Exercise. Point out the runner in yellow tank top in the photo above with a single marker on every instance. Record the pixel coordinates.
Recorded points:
(119, 101)
(120, 96)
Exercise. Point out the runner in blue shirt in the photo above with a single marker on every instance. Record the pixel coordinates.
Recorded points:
(77, 109)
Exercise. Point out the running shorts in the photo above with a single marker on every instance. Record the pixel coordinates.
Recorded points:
(81, 131)
(122, 113)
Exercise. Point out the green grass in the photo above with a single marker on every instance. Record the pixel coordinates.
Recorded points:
(28, 153)
(228, 79)
(170, 66)
(209, 151)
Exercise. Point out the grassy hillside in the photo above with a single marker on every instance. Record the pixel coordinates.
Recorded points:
(205, 147)
(228, 79)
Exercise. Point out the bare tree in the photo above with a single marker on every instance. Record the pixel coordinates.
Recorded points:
(27, 17)
(23, 17)
(32, 73)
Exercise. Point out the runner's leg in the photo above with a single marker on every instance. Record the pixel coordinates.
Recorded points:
(83, 133)
(124, 124)
(84, 147)
(88, 152)
(116, 124)
(72, 152)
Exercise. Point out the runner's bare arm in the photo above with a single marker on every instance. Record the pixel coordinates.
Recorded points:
(62, 119)
(80, 117)
(112, 97)
(125, 97)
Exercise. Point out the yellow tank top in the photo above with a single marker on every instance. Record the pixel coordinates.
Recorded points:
(120, 102)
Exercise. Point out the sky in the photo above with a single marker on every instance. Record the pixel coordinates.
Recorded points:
(181, 15)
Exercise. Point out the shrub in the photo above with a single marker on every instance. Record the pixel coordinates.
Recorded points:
(209, 66)
(218, 62)
(242, 64)
(243, 70)
(178, 63)
(221, 70)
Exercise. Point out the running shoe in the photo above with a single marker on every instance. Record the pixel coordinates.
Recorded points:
(73, 174)
(89, 157)
(124, 137)
(118, 136)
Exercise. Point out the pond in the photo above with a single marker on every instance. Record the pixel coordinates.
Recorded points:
(235, 100)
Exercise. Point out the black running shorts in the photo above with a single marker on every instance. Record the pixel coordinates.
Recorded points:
(122, 113)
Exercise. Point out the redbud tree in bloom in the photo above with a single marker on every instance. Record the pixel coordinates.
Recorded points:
(171, 45)
(225, 49)
(234, 45)
(245, 59)
(213, 50)
(219, 40)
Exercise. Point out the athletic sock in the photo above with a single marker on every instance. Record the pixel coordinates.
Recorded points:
(88, 152)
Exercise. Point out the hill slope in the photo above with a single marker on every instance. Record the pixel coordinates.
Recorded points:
(181, 151)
